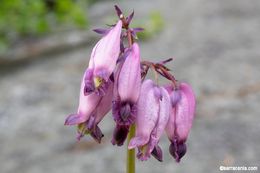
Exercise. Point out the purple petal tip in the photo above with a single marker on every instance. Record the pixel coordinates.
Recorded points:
(157, 153)
(73, 119)
(177, 150)
(118, 10)
(120, 135)
(97, 134)
(101, 31)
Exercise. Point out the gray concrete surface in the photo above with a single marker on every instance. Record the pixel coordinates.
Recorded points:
(215, 45)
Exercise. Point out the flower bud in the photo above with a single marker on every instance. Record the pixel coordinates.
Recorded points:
(180, 121)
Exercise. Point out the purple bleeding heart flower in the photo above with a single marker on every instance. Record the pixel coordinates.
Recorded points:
(126, 94)
(92, 108)
(153, 111)
(180, 121)
(90, 126)
(103, 61)
(87, 105)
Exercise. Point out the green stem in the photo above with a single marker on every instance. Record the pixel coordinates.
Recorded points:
(130, 167)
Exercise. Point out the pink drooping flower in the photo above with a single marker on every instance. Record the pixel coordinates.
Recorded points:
(92, 108)
(126, 93)
(91, 126)
(181, 118)
(153, 111)
(103, 61)
(87, 105)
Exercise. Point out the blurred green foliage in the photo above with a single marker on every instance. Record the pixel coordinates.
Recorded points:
(23, 18)
(152, 26)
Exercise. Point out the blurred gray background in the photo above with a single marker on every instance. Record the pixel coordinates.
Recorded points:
(215, 45)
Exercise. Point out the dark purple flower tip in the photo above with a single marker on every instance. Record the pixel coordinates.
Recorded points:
(124, 113)
(101, 31)
(177, 150)
(118, 11)
(157, 153)
(74, 119)
(130, 17)
(138, 29)
(97, 134)
(120, 135)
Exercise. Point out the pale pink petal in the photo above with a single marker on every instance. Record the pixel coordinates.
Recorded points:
(107, 52)
(147, 114)
(185, 110)
(105, 105)
(164, 113)
(130, 76)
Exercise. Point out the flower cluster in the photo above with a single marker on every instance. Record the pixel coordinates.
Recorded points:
(116, 80)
